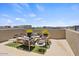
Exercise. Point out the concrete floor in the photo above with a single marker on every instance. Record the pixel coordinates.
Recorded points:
(58, 48)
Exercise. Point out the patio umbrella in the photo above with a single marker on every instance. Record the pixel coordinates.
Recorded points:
(29, 33)
(45, 33)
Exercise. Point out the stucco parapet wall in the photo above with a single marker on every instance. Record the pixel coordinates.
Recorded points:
(6, 34)
(73, 39)
(72, 31)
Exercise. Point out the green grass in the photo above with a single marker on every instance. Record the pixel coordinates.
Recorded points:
(13, 44)
(36, 49)
(25, 48)
(40, 50)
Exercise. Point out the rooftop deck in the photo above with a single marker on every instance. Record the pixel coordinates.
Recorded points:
(57, 48)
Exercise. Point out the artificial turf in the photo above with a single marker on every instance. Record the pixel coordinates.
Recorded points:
(36, 49)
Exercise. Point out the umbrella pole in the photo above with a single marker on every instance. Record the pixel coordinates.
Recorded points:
(29, 45)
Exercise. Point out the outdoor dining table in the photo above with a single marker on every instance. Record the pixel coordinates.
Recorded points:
(28, 40)
(34, 38)
(24, 39)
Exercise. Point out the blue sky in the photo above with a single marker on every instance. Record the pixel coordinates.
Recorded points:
(39, 14)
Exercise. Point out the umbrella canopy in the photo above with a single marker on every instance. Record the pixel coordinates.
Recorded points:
(29, 31)
(45, 31)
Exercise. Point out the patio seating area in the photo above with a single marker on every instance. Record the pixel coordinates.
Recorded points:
(57, 48)
(30, 41)
(36, 45)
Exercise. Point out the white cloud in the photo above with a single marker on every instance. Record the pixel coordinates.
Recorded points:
(5, 15)
(17, 7)
(40, 19)
(21, 7)
(40, 8)
(9, 21)
(32, 15)
(18, 19)
(21, 19)
(74, 22)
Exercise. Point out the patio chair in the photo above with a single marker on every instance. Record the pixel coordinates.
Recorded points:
(15, 36)
(28, 42)
(19, 40)
(41, 44)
